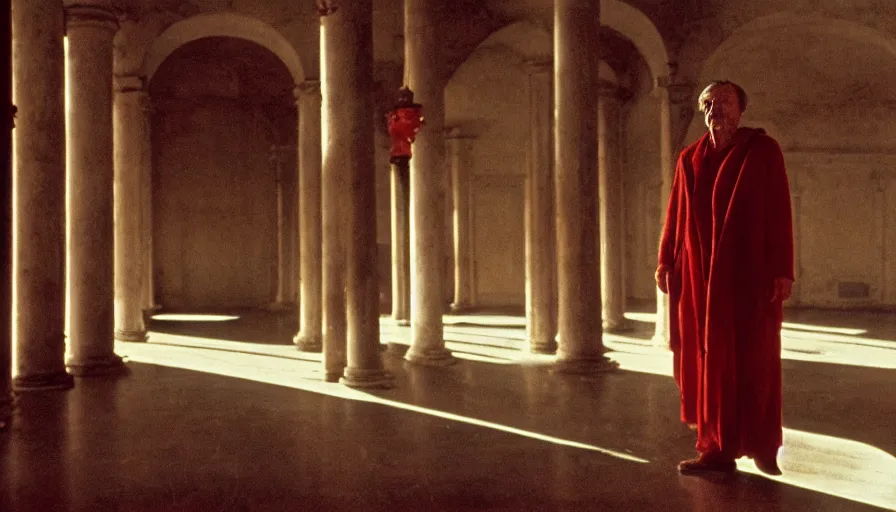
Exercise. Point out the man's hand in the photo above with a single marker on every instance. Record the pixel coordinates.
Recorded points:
(781, 289)
(662, 278)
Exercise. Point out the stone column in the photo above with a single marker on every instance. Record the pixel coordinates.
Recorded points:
(580, 344)
(291, 227)
(90, 178)
(131, 157)
(6, 226)
(612, 231)
(148, 301)
(349, 160)
(334, 190)
(276, 160)
(422, 57)
(39, 278)
(661, 334)
(308, 99)
(541, 269)
(459, 146)
(401, 245)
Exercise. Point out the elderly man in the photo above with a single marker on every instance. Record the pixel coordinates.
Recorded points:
(726, 261)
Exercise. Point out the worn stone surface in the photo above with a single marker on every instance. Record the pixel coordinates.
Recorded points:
(38, 328)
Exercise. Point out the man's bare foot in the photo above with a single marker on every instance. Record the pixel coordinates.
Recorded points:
(707, 463)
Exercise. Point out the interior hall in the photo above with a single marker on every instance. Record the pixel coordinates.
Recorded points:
(223, 291)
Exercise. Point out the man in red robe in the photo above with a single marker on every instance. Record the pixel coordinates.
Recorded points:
(403, 123)
(726, 261)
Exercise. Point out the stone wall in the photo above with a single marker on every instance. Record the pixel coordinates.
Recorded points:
(819, 73)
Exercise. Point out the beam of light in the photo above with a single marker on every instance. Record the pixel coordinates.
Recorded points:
(822, 328)
(649, 318)
(284, 372)
(839, 467)
(182, 317)
(835, 466)
(791, 326)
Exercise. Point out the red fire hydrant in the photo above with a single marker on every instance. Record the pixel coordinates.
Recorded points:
(404, 121)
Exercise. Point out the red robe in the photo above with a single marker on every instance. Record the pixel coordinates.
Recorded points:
(403, 124)
(727, 237)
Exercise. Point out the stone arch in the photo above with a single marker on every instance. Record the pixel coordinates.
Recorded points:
(534, 42)
(637, 28)
(228, 24)
(782, 21)
(530, 42)
(823, 88)
(839, 66)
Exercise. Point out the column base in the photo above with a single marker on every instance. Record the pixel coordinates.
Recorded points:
(151, 310)
(617, 326)
(6, 409)
(98, 367)
(549, 348)
(457, 308)
(44, 382)
(430, 357)
(331, 376)
(7, 405)
(368, 379)
(131, 336)
(278, 307)
(306, 343)
(660, 341)
(585, 366)
(401, 322)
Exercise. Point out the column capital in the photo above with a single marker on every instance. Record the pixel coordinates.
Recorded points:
(680, 92)
(308, 88)
(91, 16)
(536, 66)
(607, 90)
(129, 83)
(457, 133)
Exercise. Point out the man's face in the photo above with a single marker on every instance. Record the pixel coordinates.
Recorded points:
(721, 108)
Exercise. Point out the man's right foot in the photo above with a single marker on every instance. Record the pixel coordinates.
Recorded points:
(707, 463)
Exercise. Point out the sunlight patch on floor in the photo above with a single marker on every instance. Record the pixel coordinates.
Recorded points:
(822, 328)
(183, 317)
(230, 359)
(835, 466)
(832, 465)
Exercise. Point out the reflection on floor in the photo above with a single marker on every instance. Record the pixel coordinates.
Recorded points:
(227, 415)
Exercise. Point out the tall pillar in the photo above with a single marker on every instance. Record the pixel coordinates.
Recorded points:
(39, 278)
(580, 344)
(276, 160)
(308, 99)
(661, 334)
(612, 231)
(349, 158)
(334, 188)
(422, 51)
(6, 227)
(401, 245)
(541, 269)
(90, 178)
(148, 288)
(459, 146)
(131, 157)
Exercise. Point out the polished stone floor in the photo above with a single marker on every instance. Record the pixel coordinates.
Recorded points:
(224, 414)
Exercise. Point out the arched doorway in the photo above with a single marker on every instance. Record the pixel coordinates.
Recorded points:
(220, 105)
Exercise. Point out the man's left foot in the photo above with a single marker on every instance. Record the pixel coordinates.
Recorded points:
(768, 466)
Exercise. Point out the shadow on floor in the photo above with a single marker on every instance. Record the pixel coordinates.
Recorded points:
(170, 439)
